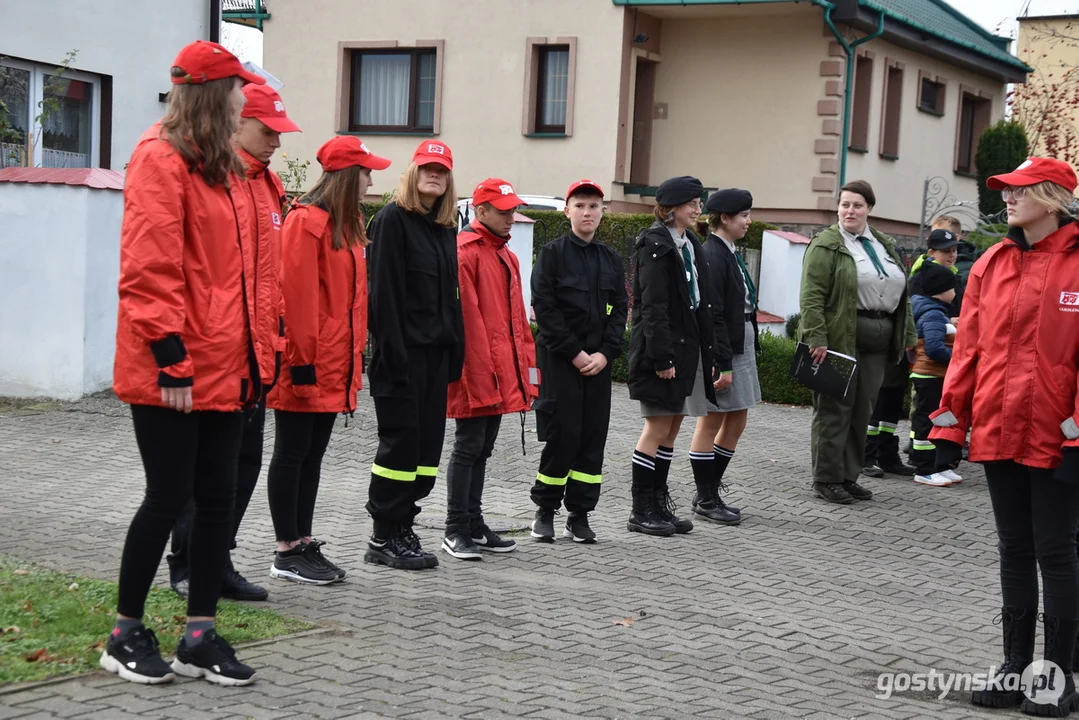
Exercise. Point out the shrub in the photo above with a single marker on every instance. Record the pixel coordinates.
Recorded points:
(792, 325)
(774, 371)
(1001, 148)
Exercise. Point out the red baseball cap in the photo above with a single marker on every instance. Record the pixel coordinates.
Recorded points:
(433, 151)
(345, 151)
(498, 192)
(583, 185)
(264, 104)
(203, 61)
(1035, 170)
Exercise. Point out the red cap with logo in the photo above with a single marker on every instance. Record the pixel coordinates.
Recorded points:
(203, 61)
(433, 151)
(498, 193)
(1035, 170)
(345, 151)
(265, 105)
(583, 185)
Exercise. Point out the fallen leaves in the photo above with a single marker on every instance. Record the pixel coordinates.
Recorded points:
(629, 619)
(10, 630)
(20, 571)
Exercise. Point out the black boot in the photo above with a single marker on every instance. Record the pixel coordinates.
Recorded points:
(391, 547)
(706, 502)
(1053, 690)
(643, 518)
(1004, 690)
(661, 496)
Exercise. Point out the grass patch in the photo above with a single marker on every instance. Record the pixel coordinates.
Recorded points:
(53, 623)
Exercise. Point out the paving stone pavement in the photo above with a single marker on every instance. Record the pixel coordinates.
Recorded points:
(794, 614)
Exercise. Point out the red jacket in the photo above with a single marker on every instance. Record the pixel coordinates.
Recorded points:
(184, 314)
(500, 354)
(1012, 378)
(325, 317)
(266, 196)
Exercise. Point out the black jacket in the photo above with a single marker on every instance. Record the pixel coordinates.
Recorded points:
(413, 298)
(666, 331)
(729, 302)
(579, 295)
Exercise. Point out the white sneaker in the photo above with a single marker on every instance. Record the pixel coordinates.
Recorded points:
(951, 475)
(936, 480)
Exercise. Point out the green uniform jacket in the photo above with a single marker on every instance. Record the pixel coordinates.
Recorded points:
(829, 297)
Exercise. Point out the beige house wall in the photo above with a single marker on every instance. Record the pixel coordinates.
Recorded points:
(484, 75)
(1041, 46)
(742, 94)
(927, 143)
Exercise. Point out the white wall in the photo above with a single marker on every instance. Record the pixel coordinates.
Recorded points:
(134, 41)
(59, 267)
(781, 272)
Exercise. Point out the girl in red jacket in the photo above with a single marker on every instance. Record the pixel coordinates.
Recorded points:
(499, 375)
(185, 359)
(324, 281)
(1012, 381)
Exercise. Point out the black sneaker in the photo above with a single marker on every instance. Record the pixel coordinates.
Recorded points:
(394, 552)
(181, 587)
(487, 539)
(460, 546)
(413, 541)
(213, 659)
(135, 656)
(299, 565)
(856, 491)
(543, 525)
(833, 493)
(236, 587)
(314, 548)
(873, 471)
(577, 529)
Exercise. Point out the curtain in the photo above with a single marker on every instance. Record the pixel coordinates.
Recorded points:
(384, 89)
(555, 88)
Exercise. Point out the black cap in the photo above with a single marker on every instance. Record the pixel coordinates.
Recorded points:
(730, 201)
(942, 239)
(935, 278)
(678, 190)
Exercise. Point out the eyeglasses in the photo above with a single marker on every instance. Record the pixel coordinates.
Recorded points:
(1013, 192)
(696, 204)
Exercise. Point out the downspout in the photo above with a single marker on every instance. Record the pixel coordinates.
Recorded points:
(215, 21)
(848, 86)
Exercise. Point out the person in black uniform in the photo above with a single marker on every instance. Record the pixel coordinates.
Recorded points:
(417, 349)
(672, 357)
(579, 296)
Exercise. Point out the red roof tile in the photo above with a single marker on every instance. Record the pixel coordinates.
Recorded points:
(96, 178)
(790, 236)
(767, 317)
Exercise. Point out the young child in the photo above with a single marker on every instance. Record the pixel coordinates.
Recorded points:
(499, 375)
(579, 295)
(930, 304)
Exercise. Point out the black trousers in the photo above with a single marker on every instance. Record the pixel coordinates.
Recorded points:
(573, 414)
(927, 392)
(300, 441)
(881, 441)
(411, 429)
(251, 442)
(1036, 517)
(473, 444)
(185, 456)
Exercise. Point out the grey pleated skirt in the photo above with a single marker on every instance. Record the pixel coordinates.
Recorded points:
(745, 391)
(696, 404)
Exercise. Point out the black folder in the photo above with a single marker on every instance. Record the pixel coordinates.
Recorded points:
(832, 377)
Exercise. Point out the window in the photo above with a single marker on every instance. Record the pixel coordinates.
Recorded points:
(863, 88)
(48, 120)
(549, 88)
(930, 94)
(393, 90)
(973, 120)
(893, 101)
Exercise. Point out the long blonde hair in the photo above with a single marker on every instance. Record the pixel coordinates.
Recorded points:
(407, 197)
(199, 125)
(1052, 197)
(338, 192)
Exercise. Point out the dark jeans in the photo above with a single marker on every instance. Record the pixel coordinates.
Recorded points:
(247, 477)
(1036, 519)
(300, 441)
(473, 444)
(185, 456)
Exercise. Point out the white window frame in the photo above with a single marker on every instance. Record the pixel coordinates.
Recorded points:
(36, 93)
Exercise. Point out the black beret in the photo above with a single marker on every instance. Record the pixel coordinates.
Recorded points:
(730, 201)
(941, 239)
(936, 278)
(678, 190)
